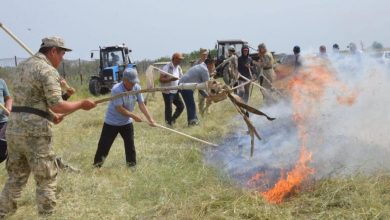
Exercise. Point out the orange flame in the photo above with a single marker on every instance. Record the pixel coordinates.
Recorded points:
(349, 97)
(307, 89)
(254, 179)
(285, 186)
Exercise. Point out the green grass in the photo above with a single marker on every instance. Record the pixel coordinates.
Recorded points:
(172, 182)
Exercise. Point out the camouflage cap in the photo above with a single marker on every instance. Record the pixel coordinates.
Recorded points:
(203, 51)
(352, 46)
(54, 42)
(262, 46)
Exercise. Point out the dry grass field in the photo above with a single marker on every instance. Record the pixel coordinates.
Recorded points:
(173, 182)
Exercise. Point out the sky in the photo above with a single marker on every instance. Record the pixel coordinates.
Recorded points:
(154, 29)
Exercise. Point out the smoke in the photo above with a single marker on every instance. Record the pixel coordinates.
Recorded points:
(354, 138)
(347, 125)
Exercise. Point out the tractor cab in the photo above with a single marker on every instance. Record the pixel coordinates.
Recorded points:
(222, 47)
(113, 61)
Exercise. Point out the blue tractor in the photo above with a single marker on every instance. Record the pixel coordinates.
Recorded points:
(113, 61)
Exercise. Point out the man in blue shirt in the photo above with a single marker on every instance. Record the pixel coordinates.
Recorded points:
(196, 74)
(119, 119)
(5, 101)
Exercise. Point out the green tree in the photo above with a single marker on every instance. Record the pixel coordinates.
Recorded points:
(377, 46)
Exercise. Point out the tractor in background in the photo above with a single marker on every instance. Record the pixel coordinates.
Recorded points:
(113, 61)
(222, 47)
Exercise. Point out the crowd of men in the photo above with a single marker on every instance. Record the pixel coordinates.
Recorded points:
(39, 98)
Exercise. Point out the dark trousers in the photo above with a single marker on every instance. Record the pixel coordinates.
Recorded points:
(2, 129)
(244, 92)
(169, 99)
(188, 97)
(107, 137)
(3, 142)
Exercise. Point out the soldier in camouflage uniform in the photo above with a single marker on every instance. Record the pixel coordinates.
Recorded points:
(203, 53)
(62, 165)
(230, 68)
(267, 75)
(29, 135)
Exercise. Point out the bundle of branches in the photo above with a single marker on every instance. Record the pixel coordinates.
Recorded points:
(218, 92)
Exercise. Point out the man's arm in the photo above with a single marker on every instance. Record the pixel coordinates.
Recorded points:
(164, 78)
(8, 103)
(68, 91)
(66, 107)
(145, 111)
(205, 76)
(128, 113)
(268, 63)
(7, 97)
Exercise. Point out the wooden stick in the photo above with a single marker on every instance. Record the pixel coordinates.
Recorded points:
(185, 135)
(277, 91)
(184, 86)
(241, 85)
(25, 47)
(253, 83)
(223, 63)
(5, 109)
(169, 74)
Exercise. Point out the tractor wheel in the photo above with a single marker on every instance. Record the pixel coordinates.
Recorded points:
(104, 90)
(94, 87)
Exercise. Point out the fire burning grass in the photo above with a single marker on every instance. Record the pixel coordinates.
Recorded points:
(306, 90)
(295, 177)
(172, 181)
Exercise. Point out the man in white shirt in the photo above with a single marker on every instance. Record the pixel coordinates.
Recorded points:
(172, 97)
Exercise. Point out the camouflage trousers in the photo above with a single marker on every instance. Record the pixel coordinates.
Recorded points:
(266, 82)
(26, 155)
(202, 105)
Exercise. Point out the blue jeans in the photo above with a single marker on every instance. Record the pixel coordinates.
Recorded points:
(188, 97)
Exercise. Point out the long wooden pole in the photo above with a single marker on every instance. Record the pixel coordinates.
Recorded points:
(4, 108)
(169, 74)
(241, 85)
(16, 39)
(24, 46)
(184, 86)
(185, 135)
(253, 83)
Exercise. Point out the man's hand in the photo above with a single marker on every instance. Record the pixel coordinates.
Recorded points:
(137, 118)
(4, 109)
(64, 84)
(165, 78)
(173, 78)
(9, 111)
(152, 123)
(88, 104)
(70, 91)
(57, 118)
